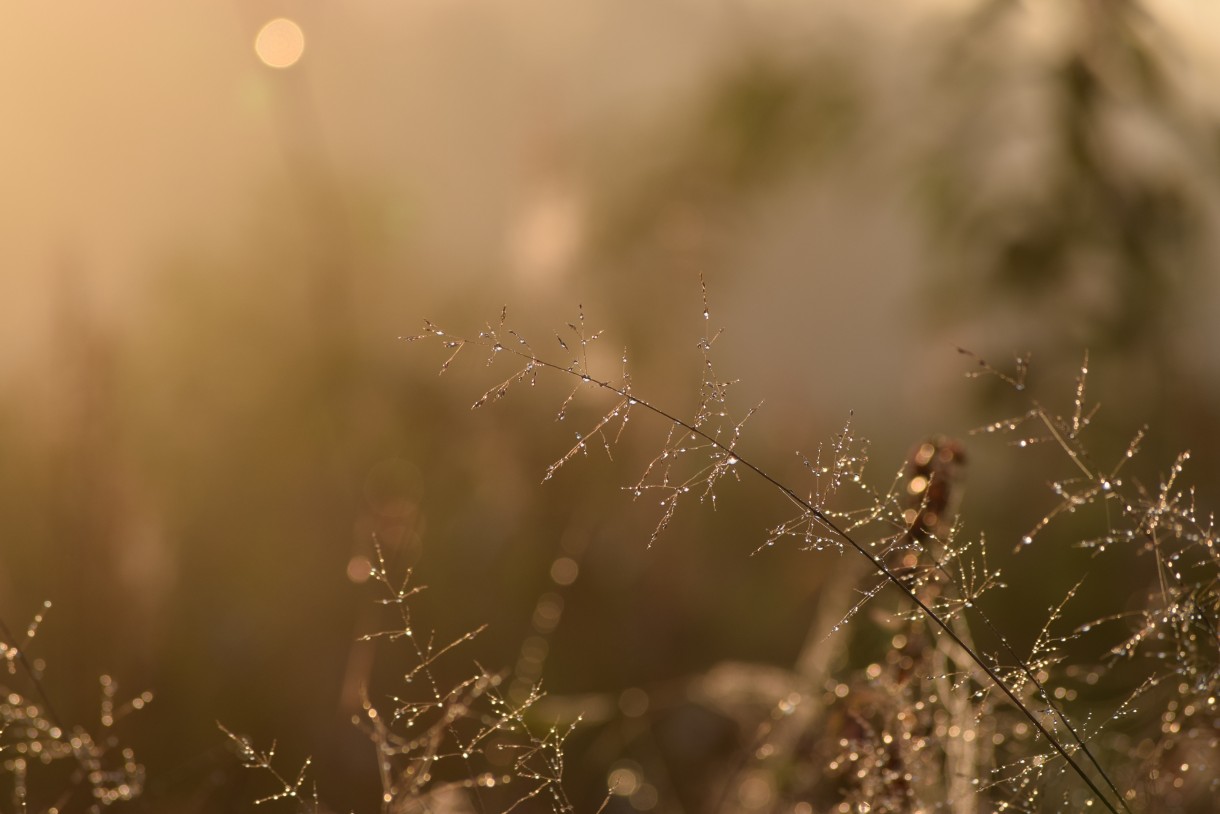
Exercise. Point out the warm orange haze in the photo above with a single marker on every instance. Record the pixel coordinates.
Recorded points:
(219, 223)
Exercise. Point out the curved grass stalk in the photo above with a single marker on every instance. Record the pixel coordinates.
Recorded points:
(534, 363)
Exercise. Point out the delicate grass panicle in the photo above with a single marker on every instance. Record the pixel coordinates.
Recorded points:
(956, 716)
(48, 766)
(1112, 712)
(436, 744)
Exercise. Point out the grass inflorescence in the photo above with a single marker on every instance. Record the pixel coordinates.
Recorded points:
(53, 767)
(943, 722)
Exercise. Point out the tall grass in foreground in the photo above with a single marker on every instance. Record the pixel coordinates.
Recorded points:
(1117, 713)
(48, 766)
(1074, 712)
(438, 743)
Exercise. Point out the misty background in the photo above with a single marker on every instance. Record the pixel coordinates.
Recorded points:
(208, 262)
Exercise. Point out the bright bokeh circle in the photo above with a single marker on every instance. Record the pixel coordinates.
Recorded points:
(280, 43)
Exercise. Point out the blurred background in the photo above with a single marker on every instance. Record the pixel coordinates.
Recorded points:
(218, 219)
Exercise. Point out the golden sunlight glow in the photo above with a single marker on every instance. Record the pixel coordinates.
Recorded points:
(280, 43)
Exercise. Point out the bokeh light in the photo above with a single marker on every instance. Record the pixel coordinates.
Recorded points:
(280, 43)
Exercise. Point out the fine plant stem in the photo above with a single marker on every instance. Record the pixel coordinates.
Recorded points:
(1059, 715)
(1033, 678)
(535, 362)
(52, 715)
